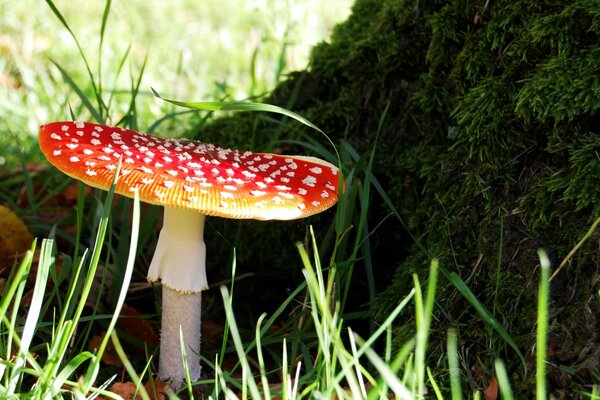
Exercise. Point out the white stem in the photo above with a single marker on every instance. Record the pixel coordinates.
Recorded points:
(180, 263)
(179, 311)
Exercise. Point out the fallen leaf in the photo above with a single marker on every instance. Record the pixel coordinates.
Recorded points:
(131, 322)
(491, 391)
(109, 356)
(127, 390)
(15, 238)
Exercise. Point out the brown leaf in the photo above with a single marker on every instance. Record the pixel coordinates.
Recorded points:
(127, 390)
(109, 356)
(131, 322)
(156, 389)
(15, 238)
(491, 391)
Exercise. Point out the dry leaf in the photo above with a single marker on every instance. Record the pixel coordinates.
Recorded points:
(491, 391)
(131, 322)
(109, 356)
(127, 390)
(15, 238)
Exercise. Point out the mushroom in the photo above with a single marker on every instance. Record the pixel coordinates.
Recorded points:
(190, 179)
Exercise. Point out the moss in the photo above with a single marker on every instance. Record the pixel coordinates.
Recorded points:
(491, 132)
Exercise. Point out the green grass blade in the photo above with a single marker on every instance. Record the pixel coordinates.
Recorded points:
(485, 314)
(542, 327)
(389, 377)
(239, 106)
(86, 102)
(503, 382)
(58, 15)
(37, 300)
(237, 340)
(453, 368)
(69, 370)
(135, 223)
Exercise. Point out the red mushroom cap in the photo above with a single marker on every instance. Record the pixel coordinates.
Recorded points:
(193, 175)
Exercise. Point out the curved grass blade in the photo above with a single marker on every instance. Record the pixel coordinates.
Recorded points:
(86, 102)
(239, 106)
(485, 314)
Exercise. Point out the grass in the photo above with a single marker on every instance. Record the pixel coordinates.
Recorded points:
(217, 50)
(342, 364)
(49, 305)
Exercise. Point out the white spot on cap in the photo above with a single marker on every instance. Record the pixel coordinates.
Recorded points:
(330, 186)
(172, 172)
(309, 181)
(104, 158)
(282, 187)
(257, 193)
(147, 181)
(324, 194)
(316, 170)
(111, 167)
(159, 194)
(226, 195)
(91, 172)
(144, 169)
(315, 203)
(87, 152)
(55, 136)
(64, 128)
(72, 145)
(261, 185)
(301, 206)
(230, 187)
(79, 124)
(302, 191)
(248, 174)
(74, 159)
(188, 188)
(95, 142)
(56, 152)
(169, 184)
(277, 200)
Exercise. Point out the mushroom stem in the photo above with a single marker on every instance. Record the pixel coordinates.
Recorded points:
(179, 311)
(179, 262)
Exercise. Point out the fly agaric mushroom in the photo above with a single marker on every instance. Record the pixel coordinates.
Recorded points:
(191, 180)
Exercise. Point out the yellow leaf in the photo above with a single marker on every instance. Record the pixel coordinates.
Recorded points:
(15, 238)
